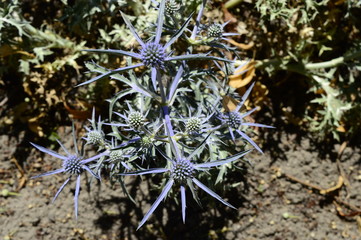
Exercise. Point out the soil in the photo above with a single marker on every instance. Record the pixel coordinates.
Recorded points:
(277, 198)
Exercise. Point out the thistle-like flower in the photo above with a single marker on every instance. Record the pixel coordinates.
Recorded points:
(197, 123)
(152, 54)
(116, 155)
(171, 7)
(73, 165)
(146, 142)
(118, 159)
(215, 31)
(119, 156)
(145, 147)
(193, 125)
(134, 119)
(235, 121)
(162, 96)
(95, 135)
(183, 171)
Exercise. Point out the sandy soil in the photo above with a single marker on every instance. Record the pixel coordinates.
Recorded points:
(276, 198)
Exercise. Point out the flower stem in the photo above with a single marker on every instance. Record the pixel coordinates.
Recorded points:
(167, 121)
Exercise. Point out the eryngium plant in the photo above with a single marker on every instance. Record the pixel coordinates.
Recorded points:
(173, 123)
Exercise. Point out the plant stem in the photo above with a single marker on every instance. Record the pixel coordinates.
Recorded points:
(232, 3)
(167, 121)
(281, 63)
(334, 62)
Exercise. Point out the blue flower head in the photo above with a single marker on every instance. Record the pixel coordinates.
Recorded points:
(235, 121)
(133, 120)
(152, 54)
(73, 165)
(183, 172)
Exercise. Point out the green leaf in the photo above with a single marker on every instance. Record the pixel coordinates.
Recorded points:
(24, 66)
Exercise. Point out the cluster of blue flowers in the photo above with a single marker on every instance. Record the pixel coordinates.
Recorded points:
(176, 120)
